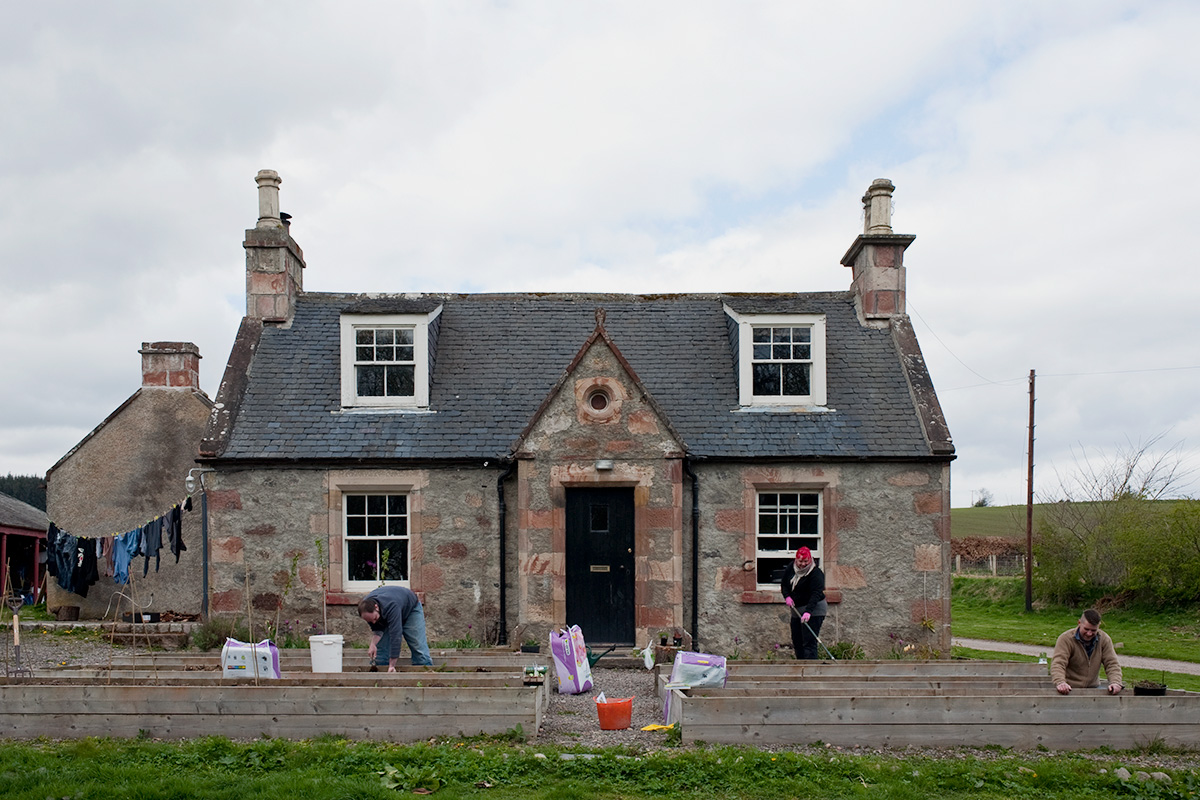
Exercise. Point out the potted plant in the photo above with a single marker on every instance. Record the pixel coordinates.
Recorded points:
(677, 638)
(531, 645)
(1152, 688)
(662, 638)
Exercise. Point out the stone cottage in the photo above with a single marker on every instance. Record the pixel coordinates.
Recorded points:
(630, 463)
(130, 469)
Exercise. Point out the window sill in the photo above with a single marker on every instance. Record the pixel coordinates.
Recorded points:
(783, 408)
(352, 598)
(383, 410)
(833, 596)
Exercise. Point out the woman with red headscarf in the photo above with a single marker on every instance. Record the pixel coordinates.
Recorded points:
(803, 587)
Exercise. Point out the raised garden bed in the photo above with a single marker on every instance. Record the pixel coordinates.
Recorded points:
(902, 703)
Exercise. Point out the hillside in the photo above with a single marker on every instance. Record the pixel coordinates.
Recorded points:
(1005, 521)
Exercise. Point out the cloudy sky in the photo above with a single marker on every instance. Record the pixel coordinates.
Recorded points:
(1045, 156)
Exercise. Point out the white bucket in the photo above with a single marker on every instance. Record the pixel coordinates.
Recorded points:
(326, 652)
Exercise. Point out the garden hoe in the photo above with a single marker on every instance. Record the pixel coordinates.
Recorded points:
(814, 633)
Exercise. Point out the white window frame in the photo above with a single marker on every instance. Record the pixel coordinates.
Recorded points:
(818, 551)
(746, 325)
(419, 324)
(352, 586)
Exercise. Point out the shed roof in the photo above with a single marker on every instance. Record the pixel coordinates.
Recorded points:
(16, 513)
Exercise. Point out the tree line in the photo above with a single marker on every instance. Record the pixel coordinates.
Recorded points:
(29, 489)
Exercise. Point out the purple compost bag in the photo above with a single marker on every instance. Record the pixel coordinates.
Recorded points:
(570, 660)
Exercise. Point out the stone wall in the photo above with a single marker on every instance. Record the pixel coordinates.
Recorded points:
(886, 555)
(127, 471)
(264, 519)
(567, 447)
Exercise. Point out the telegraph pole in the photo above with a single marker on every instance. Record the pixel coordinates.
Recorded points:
(1029, 508)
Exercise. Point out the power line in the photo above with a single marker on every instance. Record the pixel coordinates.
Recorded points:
(989, 382)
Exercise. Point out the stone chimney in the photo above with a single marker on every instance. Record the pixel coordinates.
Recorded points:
(274, 262)
(877, 258)
(170, 365)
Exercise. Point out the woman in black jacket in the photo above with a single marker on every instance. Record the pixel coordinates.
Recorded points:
(803, 587)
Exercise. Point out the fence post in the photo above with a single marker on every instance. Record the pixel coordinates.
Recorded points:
(993, 560)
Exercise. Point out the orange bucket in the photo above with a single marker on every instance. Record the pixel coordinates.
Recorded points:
(615, 714)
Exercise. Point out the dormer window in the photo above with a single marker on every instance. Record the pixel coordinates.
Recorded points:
(781, 359)
(385, 360)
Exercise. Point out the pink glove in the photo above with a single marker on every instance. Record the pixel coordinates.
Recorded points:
(804, 617)
(790, 602)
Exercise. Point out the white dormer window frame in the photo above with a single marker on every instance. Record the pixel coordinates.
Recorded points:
(386, 357)
(793, 345)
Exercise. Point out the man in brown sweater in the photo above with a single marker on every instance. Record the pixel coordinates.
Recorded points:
(1078, 654)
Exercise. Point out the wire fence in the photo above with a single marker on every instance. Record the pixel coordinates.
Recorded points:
(990, 565)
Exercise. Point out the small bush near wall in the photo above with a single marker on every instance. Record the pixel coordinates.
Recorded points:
(212, 634)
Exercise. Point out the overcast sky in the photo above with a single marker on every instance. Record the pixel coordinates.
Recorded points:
(1045, 155)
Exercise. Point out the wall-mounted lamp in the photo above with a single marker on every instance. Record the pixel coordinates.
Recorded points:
(195, 477)
(604, 464)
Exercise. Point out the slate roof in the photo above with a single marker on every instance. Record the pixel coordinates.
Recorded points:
(498, 355)
(16, 513)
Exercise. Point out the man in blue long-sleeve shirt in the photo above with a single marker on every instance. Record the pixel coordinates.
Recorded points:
(394, 613)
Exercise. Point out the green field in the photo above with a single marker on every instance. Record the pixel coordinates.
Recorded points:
(1005, 521)
(994, 608)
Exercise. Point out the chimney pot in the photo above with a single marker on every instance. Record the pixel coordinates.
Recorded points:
(877, 207)
(268, 198)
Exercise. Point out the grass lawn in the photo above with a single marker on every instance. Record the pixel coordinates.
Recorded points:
(1174, 680)
(334, 768)
(994, 608)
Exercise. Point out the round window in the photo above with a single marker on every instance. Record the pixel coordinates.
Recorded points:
(598, 400)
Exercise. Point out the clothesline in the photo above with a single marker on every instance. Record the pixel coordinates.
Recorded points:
(74, 560)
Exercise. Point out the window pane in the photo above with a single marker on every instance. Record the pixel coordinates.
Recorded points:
(761, 335)
(397, 561)
(404, 353)
(781, 334)
(370, 381)
(808, 524)
(397, 504)
(356, 526)
(795, 379)
(781, 351)
(766, 523)
(364, 354)
(404, 336)
(400, 381)
(397, 526)
(356, 504)
(376, 504)
(802, 352)
(362, 560)
(377, 526)
(766, 379)
(772, 543)
(770, 570)
(383, 336)
(801, 334)
(762, 351)
(366, 336)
